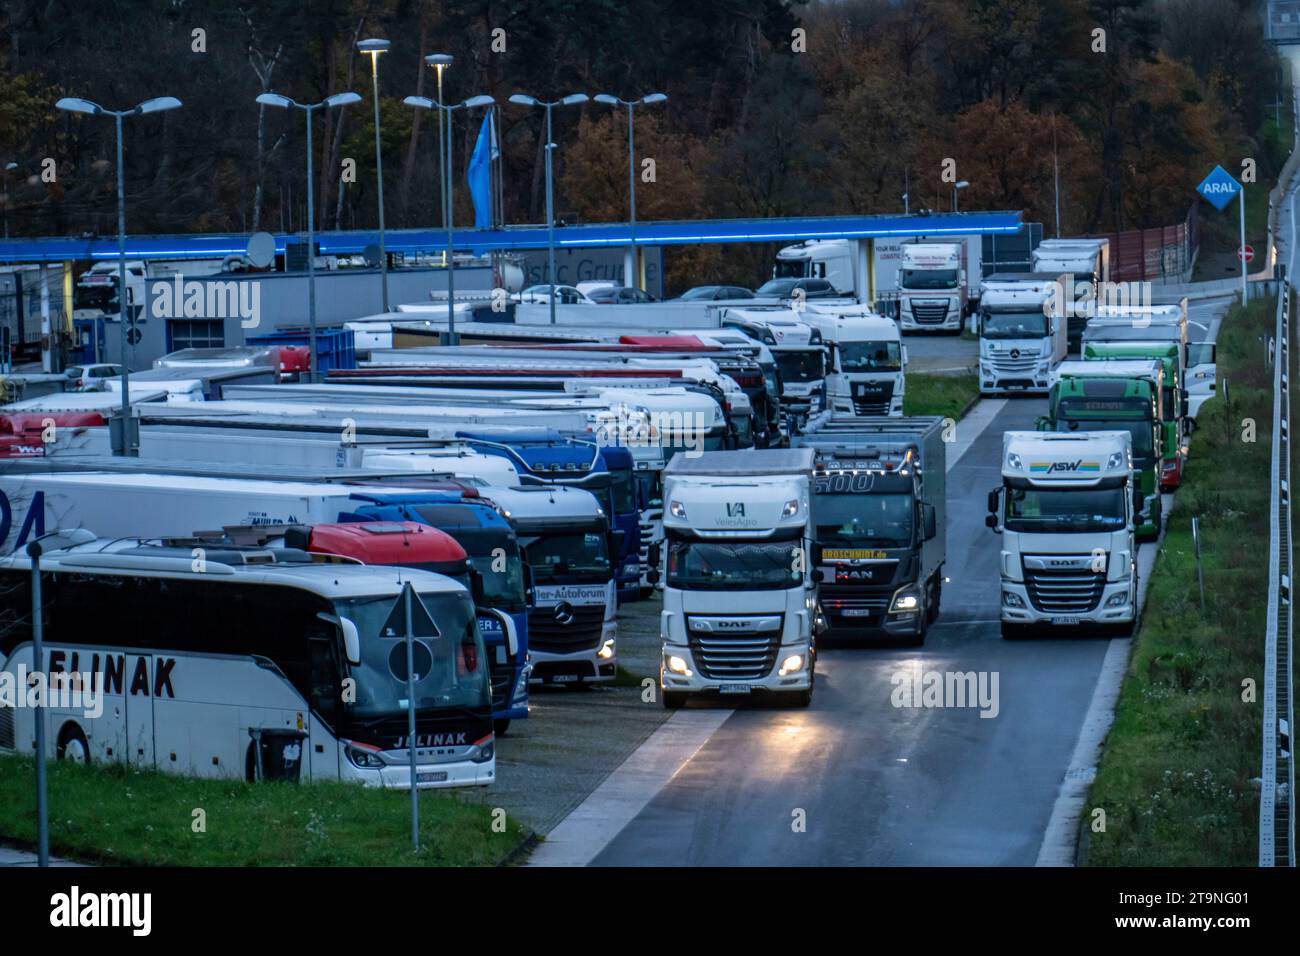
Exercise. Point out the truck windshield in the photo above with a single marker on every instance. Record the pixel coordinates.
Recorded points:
(800, 365)
(1064, 510)
(790, 269)
(871, 357)
(734, 565)
(929, 278)
(1014, 325)
(451, 668)
(97, 298)
(622, 491)
(569, 557)
(1143, 444)
(883, 521)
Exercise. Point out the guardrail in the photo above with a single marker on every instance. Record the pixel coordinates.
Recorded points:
(1277, 775)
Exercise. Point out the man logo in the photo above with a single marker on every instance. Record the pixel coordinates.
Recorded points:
(735, 509)
(564, 613)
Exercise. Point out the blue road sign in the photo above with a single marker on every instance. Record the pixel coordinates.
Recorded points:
(1219, 187)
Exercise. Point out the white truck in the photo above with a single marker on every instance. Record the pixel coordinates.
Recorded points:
(1022, 332)
(932, 289)
(1067, 510)
(865, 374)
(95, 295)
(829, 259)
(1087, 264)
(740, 591)
(797, 347)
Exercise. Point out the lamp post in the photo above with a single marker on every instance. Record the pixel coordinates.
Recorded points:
(423, 102)
(284, 102)
(629, 262)
(9, 167)
(125, 439)
(53, 541)
(573, 99)
(374, 48)
(440, 62)
(956, 186)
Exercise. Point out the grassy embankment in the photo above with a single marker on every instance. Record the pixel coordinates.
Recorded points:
(1174, 780)
(946, 395)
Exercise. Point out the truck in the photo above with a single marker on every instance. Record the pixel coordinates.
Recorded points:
(880, 497)
(95, 294)
(1110, 396)
(1022, 332)
(798, 349)
(1067, 510)
(932, 289)
(1085, 267)
(865, 374)
(740, 592)
(829, 259)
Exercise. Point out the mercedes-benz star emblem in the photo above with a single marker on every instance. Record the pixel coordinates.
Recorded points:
(564, 613)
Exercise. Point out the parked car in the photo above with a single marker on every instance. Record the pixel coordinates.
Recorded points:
(564, 295)
(91, 378)
(784, 288)
(714, 292)
(620, 294)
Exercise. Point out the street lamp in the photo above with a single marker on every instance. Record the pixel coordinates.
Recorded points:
(375, 48)
(573, 99)
(629, 262)
(440, 62)
(956, 186)
(284, 102)
(125, 439)
(9, 167)
(423, 102)
(54, 541)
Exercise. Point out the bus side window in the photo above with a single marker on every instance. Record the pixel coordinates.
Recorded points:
(325, 678)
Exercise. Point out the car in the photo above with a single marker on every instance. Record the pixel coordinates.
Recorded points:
(564, 295)
(714, 292)
(784, 288)
(91, 378)
(621, 295)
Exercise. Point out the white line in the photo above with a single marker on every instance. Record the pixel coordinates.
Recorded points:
(615, 803)
(972, 426)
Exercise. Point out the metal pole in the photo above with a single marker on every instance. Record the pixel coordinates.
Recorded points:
(631, 280)
(1200, 572)
(550, 215)
(38, 657)
(379, 173)
(410, 715)
(1056, 174)
(448, 211)
(442, 158)
(125, 445)
(311, 250)
(1241, 206)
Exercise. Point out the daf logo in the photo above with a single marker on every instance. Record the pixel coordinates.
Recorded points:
(731, 625)
(564, 613)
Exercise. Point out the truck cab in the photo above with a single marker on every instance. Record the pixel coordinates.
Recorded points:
(1084, 264)
(1022, 332)
(829, 259)
(1067, 510)
(932, 288)
(740, 592)
(798, 349)
(867, 360)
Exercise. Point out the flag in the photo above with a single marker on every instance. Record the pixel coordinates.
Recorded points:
(479, 175)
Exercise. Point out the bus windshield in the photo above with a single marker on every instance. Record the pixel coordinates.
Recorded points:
(873, 520)
(569, 557)
(451, 669)
(734, 565)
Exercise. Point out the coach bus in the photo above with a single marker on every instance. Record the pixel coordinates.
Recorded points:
(224, 662)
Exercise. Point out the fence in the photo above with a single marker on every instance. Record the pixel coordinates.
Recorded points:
(1159, 254)
(1277, 772)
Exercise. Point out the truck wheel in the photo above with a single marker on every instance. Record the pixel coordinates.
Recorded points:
(799, 698)
(499, 727)
(1014, 632)
(646, 592)
(936, 595)
(673, 700)
(72, 745)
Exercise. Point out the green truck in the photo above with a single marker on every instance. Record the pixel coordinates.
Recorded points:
(1116, 396)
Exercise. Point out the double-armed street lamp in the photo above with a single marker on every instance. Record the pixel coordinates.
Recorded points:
(629, 261)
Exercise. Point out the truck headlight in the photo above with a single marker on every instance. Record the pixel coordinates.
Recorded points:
(1011, 599)
(791, 665)
(1117, 600)
(606, 650)
(677, 509)
(677, 665)
(905, 601)
(791, 508)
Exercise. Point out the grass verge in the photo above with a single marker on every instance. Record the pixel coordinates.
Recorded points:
(1174, 780)
(113, 814)
(946, 395)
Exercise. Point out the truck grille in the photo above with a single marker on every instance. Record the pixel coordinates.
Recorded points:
(1004, 364)
(852, 605)
(929, 313)
(547, 633)
(737, 657)
(1072, 591)
(652, 530)
(502, 677)
(872, 398)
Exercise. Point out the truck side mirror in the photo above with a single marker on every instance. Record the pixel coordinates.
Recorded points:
(929, 521)
(616, 539)
(530, 589)
(476, 587)
(652, 555)
(993, 503)
(817, 576)
(991, 521)
(1139, 501)
(652, 575)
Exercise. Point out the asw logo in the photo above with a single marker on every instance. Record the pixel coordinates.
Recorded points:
(735, 509)
(33, 525)
(1068, 467)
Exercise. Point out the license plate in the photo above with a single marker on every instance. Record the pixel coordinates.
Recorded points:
(1065, 620)
(734, 689)
(856, 612)
(433, 776)
(564, 678)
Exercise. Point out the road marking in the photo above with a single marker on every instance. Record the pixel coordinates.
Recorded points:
(581, 835)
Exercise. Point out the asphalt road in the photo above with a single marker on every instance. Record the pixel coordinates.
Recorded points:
(884, 785)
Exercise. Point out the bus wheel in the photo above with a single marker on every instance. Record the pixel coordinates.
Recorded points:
(72, 745)
(499, 727)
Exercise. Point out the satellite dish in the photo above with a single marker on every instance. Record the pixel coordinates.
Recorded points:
(371, 255)
(261, 249)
